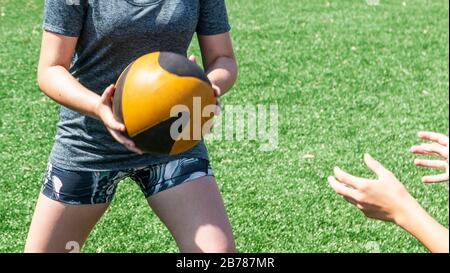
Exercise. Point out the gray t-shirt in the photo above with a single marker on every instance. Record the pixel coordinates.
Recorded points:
(112, 34)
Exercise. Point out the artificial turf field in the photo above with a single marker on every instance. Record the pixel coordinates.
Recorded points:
(348, 78)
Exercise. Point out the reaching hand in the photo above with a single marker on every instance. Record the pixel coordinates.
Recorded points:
(439, 148)
(384, 198)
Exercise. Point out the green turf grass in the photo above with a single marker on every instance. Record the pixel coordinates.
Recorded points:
(348, 78)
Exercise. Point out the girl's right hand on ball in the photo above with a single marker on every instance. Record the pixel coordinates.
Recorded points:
(116, 129)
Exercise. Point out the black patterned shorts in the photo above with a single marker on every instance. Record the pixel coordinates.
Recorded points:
(81, 187)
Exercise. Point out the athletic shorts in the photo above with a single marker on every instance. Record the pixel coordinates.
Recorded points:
(98, 187)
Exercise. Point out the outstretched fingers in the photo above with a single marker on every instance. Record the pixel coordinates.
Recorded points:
(435, 137)
(375, 166)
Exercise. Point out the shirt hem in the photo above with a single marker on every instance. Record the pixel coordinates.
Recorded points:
(118, 167)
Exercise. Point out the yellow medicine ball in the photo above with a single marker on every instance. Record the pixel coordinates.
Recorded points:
(147, 92)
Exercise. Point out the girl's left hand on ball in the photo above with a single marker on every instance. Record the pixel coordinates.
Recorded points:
(216, 89)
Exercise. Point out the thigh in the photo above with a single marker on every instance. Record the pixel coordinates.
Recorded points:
(60, 227)
(195, 215)
(69, 206)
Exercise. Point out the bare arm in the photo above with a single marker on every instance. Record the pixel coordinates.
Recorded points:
(56, 82)
(427, 230)
(219, 60)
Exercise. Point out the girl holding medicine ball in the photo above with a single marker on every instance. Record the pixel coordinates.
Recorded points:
(85, 46)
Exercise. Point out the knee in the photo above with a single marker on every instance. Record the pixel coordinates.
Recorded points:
(218, 245)
(212, 239)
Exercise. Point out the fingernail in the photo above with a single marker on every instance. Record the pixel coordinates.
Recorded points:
(415, 147)
(330, 181)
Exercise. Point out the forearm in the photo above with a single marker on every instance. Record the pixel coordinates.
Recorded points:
(427, 230)
(58, 84)
(223, 73)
